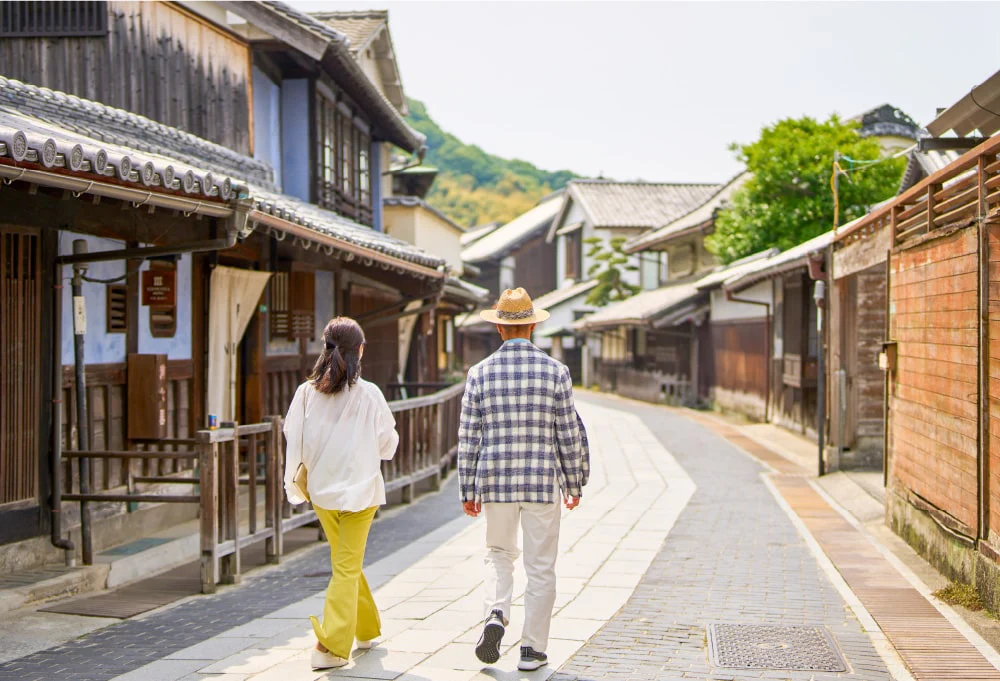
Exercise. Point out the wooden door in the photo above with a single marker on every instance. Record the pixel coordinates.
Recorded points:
(21, 308)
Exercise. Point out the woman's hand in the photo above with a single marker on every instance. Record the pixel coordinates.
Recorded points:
(472, 508)
(571, 502)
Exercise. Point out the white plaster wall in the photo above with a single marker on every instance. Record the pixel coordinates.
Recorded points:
(728, 310)
(573, 214)
(437, 237)
(99, 347)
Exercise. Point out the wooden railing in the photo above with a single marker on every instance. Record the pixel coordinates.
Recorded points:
(955, 196)
(428, 440)
(253, 456)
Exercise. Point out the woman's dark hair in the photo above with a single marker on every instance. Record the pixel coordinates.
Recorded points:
(339, 364)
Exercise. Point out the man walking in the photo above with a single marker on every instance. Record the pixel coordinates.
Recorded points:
(521, 445)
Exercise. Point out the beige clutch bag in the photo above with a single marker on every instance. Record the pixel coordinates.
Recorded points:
(301, 481)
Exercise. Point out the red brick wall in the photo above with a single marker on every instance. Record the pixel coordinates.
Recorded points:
(933, 401)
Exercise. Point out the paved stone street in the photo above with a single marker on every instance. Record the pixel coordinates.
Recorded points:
(678, 531)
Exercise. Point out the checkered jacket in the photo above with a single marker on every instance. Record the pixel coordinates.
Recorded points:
(519, 432)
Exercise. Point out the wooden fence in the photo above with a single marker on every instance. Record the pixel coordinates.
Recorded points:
(647, 385)
(252, 456)
(954, 196)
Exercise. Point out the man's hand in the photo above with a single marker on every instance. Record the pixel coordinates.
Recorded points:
(571, 502)
(472, 508)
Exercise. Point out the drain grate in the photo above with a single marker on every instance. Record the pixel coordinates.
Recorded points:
(747, 646)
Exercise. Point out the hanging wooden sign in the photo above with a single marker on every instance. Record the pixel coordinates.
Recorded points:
(159, 288)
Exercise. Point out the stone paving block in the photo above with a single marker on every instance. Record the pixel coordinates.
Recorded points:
(262, 628)
(214, 648)
(163, 670)
(378, 663)
(424, 672)
(421, 640)
(296, 637)
(249, 661)
(573, 629)
(415, 610)
(296, 669)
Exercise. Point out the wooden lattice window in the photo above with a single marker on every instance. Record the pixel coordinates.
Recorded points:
(53, 19)
(117, 308)
(292, 306)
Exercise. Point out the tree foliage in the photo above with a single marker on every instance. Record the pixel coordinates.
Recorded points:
(474, 187)
(610, 262)
(788, 199)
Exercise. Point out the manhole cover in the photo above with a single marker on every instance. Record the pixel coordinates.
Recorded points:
(747, 646)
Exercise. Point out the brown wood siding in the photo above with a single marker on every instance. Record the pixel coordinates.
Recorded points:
(535, 267)
(993, 235)
(381, 362)
(868, 378)
(933, 289)
(107, 407)
(20, 363)
(740, 352)
(157, 60)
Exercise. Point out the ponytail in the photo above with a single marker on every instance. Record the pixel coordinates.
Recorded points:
(339, 363)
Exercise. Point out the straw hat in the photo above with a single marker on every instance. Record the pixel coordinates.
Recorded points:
(514, 308)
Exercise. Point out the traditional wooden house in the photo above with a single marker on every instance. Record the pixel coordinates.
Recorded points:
(515, 254)
(794, 341)
(941, 239)
(605, 209)
(207, 271)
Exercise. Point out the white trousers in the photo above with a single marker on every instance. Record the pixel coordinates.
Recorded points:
(540, 529)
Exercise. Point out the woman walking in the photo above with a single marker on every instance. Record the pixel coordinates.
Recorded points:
(340, 429)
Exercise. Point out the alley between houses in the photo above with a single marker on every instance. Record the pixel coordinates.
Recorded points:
(686, 547)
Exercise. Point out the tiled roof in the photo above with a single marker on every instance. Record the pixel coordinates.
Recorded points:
(920, 164)
(699, 215)
(87, 136)
(637, 205)
(641, 308)
(359, 27)
(561, 295)
(733, 269)
(478, 232)
(57, 130)
(776, 264)
(503, 240)
(461, 289)
(336, 225)
(414, 201)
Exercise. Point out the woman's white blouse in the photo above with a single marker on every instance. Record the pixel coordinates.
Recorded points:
(342, 439)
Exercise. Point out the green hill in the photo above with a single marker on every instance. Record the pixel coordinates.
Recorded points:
(474, 187)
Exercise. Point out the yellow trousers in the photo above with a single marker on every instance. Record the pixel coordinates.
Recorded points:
(349, 610)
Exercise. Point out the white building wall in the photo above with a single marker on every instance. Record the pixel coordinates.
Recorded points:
(723, 309)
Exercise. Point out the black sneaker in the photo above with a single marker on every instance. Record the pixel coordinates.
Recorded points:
(531, 659)
(488, 648)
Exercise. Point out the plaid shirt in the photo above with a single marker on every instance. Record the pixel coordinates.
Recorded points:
(519, 432)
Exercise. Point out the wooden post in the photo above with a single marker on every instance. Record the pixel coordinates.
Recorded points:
(230, 565)
(983, 432)
(208, 463)
(273, 491)
(438, 441)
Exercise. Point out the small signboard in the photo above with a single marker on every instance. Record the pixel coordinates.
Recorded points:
(159, 288)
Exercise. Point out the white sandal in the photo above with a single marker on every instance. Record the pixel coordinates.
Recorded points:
(321, 660)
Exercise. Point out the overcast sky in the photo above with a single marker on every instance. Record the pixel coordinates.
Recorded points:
(658, 90)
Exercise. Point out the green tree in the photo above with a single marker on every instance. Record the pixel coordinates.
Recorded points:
(788, 198)
(610, 262)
